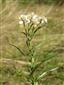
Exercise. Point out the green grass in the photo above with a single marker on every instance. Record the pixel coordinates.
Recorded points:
(51, 38)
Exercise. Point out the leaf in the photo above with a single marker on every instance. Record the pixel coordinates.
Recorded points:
(42, 75)
(37, 29)
(17, 49)
(30, 27)
(24, 33)
(23, 22)
(46, 73)
(38, 64)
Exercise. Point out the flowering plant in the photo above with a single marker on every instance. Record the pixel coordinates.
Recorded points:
(32, 18)
(31, 24)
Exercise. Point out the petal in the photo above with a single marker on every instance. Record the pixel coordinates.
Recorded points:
(20, 22)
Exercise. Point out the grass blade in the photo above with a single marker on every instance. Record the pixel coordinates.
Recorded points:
(17, 49)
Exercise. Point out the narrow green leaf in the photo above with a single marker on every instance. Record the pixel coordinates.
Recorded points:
(24, 33)
(37, 29)
(46, 73)
(39, 64)
(17, 49)
(30, 27)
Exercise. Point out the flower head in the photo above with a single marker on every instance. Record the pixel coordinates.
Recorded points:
(26, 19)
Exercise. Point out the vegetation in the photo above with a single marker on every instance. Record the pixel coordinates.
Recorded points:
(47, 45)
(38, 1)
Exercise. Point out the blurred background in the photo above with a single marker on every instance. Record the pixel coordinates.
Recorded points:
(51, 37)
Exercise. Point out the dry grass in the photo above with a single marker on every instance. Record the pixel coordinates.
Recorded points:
(51, 37)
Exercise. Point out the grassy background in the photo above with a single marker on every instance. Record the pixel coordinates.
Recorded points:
(50, 37)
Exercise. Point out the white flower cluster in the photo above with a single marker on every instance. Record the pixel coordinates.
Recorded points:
(35, 19)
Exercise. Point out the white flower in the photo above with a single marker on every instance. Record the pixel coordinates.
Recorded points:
(42, 21)
(35, 25)
(27, 21)
(21, 16)
(24, 17)
(35, 17)
(32, 17)
(20, 22)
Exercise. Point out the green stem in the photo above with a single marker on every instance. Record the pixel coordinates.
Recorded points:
(34, 83)
(28, 43)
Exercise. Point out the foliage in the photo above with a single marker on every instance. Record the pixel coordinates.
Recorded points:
(32, 24)
(24, 2)
(53, 78)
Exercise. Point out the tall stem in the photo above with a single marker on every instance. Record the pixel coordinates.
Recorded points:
(35, 83)
(32, 60)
